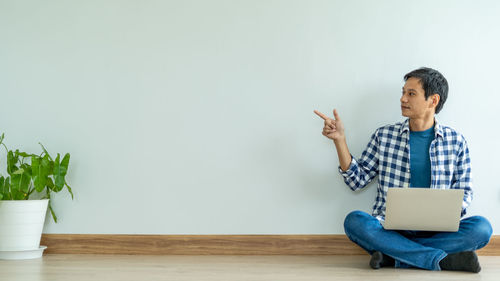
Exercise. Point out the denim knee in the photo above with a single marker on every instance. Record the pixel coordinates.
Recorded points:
(354, 221)
(482, 230)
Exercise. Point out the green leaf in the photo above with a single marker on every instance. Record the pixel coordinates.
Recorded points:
(18, 172)
(2, 187)
(35, 168)
(22, 154)
(6, 188)
(11, 162)
(18, 195)
(24, 185)
(48, 164)
(25, 179)
(50, 184)
(35, 164)
(40, 170)
(45, 150)
(15, 182)
(59, 173)
(65, 163)
(26, 168)
(20, 184)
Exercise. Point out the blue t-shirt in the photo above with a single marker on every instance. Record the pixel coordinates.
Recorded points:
(420, 162)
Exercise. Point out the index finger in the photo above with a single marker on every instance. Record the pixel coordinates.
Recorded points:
(323, 116)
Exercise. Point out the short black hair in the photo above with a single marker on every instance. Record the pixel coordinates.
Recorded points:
(433, 82)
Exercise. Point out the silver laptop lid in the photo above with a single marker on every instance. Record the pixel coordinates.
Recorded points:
(423, 209)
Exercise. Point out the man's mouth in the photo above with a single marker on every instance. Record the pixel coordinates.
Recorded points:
(405, 107)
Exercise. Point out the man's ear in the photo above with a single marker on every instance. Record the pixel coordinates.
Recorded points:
(435, 99)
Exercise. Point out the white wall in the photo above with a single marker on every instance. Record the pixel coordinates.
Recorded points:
(196, 117)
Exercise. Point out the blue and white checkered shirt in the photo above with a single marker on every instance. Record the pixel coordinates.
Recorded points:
(388, 156)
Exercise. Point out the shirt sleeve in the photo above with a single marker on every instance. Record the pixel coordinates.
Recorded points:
(462, 176)
(361, 171)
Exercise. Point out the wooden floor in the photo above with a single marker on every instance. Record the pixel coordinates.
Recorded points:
(144, 268)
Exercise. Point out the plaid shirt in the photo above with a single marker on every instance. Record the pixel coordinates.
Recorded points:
(388, 156)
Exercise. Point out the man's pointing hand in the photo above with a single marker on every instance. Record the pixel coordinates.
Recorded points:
(334, 128)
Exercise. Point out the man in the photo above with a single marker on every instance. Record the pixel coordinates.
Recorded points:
(419, 152)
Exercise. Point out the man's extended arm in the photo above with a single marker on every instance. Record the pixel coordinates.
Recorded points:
(343, 153)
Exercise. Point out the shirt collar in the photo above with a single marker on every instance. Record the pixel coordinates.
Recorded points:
(405, 127)
(438, 129)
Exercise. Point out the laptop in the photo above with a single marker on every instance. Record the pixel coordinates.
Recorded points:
(423, 209)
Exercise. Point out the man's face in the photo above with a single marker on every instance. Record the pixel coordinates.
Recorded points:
(413, 102)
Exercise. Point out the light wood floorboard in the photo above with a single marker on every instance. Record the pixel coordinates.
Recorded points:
(220, 268)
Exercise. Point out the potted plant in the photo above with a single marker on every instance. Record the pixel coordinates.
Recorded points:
(24, 197)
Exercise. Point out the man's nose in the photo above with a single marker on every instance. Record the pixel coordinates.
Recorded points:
(403, 99)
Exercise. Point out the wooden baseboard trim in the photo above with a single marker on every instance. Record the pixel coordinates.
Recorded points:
(120, 244)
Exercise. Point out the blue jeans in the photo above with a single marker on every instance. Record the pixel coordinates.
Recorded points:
(422, 249)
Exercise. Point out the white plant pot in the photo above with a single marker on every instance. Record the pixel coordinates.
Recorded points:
(21, 225)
